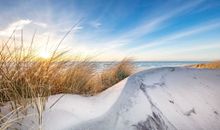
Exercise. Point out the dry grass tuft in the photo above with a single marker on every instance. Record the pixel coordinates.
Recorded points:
(210, 65)
(75, 79)
(117, 73)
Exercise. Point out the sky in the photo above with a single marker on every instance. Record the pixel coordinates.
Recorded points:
(106, 30)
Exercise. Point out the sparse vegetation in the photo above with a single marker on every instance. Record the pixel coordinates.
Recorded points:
(210, 65)
(116, 73)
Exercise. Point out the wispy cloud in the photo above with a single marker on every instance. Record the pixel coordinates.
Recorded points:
(78, 27)
(148, 26)
(18, 25)
(177, 35)
(188, 52)
(44, 25)
(96, 24)
(194, 52)
(197, 48)
(152, 25)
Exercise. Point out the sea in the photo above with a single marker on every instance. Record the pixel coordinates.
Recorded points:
(143, 65)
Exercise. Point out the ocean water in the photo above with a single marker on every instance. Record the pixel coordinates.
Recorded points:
(143, 65)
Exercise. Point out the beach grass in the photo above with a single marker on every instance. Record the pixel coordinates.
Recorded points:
(209, 65)
(116, 73)
(27, 80)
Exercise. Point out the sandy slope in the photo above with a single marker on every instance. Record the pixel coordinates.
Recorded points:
(164, 98)
(155, 99)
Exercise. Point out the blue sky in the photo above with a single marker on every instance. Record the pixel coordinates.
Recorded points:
(114, 29)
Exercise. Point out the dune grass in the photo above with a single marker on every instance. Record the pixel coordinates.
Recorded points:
(27, 80)
(116, 73)
(209, 65)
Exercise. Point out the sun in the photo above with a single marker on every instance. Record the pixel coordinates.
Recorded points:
(44, 54)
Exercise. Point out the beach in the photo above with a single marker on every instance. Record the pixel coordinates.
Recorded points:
(160, 98)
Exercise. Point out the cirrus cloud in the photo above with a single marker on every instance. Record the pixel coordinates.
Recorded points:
(17, 25)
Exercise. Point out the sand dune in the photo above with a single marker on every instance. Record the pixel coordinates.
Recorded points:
(165, 98)
(156, 99)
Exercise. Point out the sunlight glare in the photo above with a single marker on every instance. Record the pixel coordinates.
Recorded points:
(44, 54)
